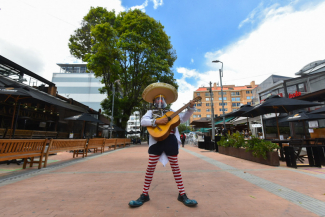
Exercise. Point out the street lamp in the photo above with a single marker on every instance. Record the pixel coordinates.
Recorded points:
(212, 112)
(112, 121)
(223, 107)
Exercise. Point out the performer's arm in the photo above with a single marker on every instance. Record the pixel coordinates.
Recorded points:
(190, 109)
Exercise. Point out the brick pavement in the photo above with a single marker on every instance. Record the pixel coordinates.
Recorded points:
(103, 184)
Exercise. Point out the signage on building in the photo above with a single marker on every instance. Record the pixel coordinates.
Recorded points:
(313, 124)
(256, 125)
(295, 94)
(270, 115)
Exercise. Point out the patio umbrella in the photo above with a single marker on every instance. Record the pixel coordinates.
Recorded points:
(321, 110)
(302, 116)
(276, 104)
(241, 110)
(84, 117)
(186, 131)
(203, 122)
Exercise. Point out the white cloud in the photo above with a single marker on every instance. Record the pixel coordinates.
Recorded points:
(142, 7)
(157, 3)
(192, 61)
(35, 33)
(283, 42)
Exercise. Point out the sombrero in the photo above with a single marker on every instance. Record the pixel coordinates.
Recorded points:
(154, 89)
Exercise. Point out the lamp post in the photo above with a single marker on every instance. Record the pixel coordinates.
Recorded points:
(223, 105)
(212, 113)
(112, 121)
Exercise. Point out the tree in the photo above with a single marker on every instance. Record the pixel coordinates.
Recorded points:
(130, 47)
(183, 127)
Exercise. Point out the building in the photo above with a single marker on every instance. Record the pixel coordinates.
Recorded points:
(309, 86)
(74, 82)
(133, 124)
(233, 96)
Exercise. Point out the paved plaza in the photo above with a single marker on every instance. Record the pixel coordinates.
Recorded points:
(103, 184)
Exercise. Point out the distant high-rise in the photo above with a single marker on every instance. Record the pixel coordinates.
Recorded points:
(74, 82)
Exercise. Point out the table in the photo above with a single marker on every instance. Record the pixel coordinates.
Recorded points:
(280, 142)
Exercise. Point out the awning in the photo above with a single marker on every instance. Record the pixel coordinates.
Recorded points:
(36, 94)
(226, 120)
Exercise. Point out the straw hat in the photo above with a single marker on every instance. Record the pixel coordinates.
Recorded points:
(167, 90)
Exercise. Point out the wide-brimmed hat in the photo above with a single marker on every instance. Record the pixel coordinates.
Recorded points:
(154, 89)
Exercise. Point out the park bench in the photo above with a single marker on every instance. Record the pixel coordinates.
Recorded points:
(59, 145)
(13, 149)
(128, 142)
(120, 142)
(95, 143)
(110, 143)
(19, 134)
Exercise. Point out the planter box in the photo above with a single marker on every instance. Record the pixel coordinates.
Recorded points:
(272, 158)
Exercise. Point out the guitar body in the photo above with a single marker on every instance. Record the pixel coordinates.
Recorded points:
(161, 132)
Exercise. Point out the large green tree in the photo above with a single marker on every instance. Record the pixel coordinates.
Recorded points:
(131, 48)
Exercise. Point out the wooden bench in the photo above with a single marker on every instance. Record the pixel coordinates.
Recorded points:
(11, 149)
(95, 143)
(128, 142)
(58, 145)
(120, 142)
(110, 143)
(19, 134)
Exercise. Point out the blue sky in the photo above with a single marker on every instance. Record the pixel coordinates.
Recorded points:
(254, 39)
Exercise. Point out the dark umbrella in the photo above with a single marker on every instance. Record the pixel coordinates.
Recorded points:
(321, 110)
(276, 104)
(114, 128)
(203, 122)
(84, 117)
(302, 116)
(240, 111)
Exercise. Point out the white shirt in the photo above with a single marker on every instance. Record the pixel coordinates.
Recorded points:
(147, 120)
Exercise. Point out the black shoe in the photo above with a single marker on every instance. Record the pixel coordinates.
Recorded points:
(140, 201)
(186, 201)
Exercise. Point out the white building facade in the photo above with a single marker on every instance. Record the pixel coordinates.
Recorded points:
(133, 124)
(73, 82)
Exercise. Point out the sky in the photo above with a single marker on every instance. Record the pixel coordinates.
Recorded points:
(254, 39)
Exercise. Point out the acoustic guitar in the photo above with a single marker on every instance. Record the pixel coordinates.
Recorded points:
(161, 132)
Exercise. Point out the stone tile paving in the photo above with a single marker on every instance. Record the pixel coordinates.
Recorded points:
(103, 184)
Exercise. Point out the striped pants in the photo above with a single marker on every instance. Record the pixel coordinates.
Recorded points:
(153, 159)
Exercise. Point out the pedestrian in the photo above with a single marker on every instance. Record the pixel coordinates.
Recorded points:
(161, 94)
(183, 137)
(224, 131)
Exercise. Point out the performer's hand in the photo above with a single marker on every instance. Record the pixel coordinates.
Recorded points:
(192, 103)
(162, 121)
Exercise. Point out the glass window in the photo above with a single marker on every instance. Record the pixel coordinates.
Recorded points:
(207, 104)
(199, 104)
(198, 110)
(235, 93)
(220, 103)
(224, 109)
(207, 94)
(208, 116)
(207, 99)
(301, 87)
(235, 99)
(292, 89)
(208, 110)
(198, 116)
(194, 116)
(281, 92)
(198, 94)
(275, 92)
(234, 104)
(224, 93)
(248, 97)
(248, 91)
(224, 98)
(249, 103)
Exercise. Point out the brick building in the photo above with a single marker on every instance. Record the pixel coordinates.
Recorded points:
(234, 97)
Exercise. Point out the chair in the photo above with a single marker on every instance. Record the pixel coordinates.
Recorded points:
(297, 147)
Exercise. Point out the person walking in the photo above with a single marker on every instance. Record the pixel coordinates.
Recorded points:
(161, 94)
(183, 137)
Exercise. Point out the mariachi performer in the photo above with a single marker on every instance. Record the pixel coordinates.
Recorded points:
(161, 94)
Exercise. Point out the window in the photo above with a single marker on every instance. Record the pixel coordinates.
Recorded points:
(235, 93)
(249, 103)
(198, 110)
(224, 93)
(198, 94)
(207, 94)
(208, 110)
(248, 97)
(199, 104)
(220, 103)
(235, 99)
(301, 87)
(207, 104)
(281, 92)
(224, 109)
(292, 89)
(236, 104)
(224, 98)
(248, 91)
(198, 116)
(208, 99)
(194, 116)
(208, 116)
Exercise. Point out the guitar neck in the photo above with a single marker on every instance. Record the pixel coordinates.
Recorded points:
(179, 111)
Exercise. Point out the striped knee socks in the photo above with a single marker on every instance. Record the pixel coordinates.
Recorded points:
(153, 159)
(173, 160)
